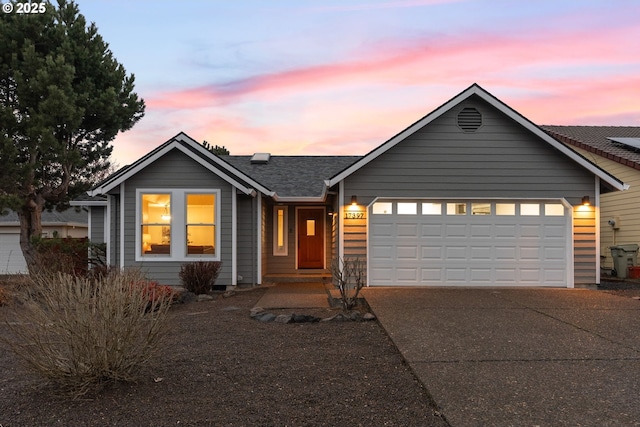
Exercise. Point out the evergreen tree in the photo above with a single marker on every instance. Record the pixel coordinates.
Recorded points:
(217, 150)
(63, 99)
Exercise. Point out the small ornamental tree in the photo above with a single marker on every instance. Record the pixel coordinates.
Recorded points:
(349, 275)
(63, 99)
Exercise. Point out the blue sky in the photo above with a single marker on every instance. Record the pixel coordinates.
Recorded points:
(342, 76)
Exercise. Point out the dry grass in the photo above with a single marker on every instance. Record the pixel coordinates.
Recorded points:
(80, 334)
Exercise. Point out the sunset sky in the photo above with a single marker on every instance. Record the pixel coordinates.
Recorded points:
(343, 76)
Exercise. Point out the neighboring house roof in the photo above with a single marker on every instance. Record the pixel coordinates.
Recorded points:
(597, 139)
(476, 90)
(294, 177)
(73, 216)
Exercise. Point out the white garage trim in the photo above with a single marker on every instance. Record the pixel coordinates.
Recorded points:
(469, 242)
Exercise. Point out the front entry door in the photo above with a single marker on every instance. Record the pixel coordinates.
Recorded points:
(311, 238)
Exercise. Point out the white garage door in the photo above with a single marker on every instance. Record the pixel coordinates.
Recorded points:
(469, 243)
(11, 259)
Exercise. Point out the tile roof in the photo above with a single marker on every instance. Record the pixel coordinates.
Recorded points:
(293, 176)
(594, 139)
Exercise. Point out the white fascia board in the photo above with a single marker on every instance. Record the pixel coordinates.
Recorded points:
(402, 136)
(477, 90)
(224, 165)
(615, 183)
(176, 145)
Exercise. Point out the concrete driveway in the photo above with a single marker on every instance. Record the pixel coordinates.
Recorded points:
(519, 357)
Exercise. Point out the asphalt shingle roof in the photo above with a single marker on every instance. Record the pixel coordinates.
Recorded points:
(594, 139)
(71, 215)
(293, 176)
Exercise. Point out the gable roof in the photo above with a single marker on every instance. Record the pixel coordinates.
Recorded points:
(195, 151)
(596, 139)
(476, 90)
(294, 178)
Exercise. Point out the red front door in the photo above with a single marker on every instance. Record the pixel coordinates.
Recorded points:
(311, 238)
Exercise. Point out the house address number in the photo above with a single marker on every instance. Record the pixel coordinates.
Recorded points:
(354, 215)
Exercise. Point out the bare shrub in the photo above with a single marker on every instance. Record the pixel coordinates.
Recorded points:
(81, 334)
(349, 276)
(199, 277)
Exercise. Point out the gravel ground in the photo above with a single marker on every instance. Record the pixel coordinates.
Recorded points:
(219, 367)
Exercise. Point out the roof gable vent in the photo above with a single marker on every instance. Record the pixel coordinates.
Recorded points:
(260, 158)
(469, 119)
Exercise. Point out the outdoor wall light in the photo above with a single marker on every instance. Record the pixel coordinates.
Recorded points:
(585, 201)
(354, 200)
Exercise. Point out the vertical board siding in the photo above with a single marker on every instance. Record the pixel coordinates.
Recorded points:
(499, 160)
(176, 170)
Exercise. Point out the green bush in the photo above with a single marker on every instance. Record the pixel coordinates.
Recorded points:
(199, 277)
(80, 334)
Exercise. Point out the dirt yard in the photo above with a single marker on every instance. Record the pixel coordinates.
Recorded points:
(219, 367)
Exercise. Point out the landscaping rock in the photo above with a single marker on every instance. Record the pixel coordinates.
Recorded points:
(186, 297)
(283, 318)
(231, 308)
(304, 318)
(256, 311)
(266, 317)
(204, 297)
(368, 316)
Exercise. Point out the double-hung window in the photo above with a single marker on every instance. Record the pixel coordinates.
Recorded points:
(177, 224)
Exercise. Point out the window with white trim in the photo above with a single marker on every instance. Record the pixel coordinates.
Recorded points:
(177, 224)
(280, 227)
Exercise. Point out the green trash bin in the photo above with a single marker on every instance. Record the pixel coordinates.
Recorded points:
(624, 256)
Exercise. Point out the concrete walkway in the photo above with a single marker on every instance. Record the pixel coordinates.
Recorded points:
(294, 296)
(519, 357)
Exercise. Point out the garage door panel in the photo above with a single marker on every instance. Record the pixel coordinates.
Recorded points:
(480, 231)
(382, 230)
(407, 253)
(482, 253)
(407, 230)
(439, 249)
(453, 231)
(381, 253)
(431, 275)
(432, 253)
(530, 231)
(455, 275)
(506, 253)
(530, 253)
(407, 274)
(431, 230)
(456, 253)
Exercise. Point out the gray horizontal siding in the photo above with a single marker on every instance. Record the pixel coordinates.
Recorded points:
(501, 159)
(176, 170)
(247, 238)
(97, 224)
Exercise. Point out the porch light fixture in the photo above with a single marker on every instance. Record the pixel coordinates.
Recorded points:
(354, 200)
(585, 201)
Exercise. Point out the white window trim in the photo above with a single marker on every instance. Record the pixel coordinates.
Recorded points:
(178, 224)
(285, 226)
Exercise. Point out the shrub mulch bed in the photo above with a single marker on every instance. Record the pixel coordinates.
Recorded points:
(220, 367)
